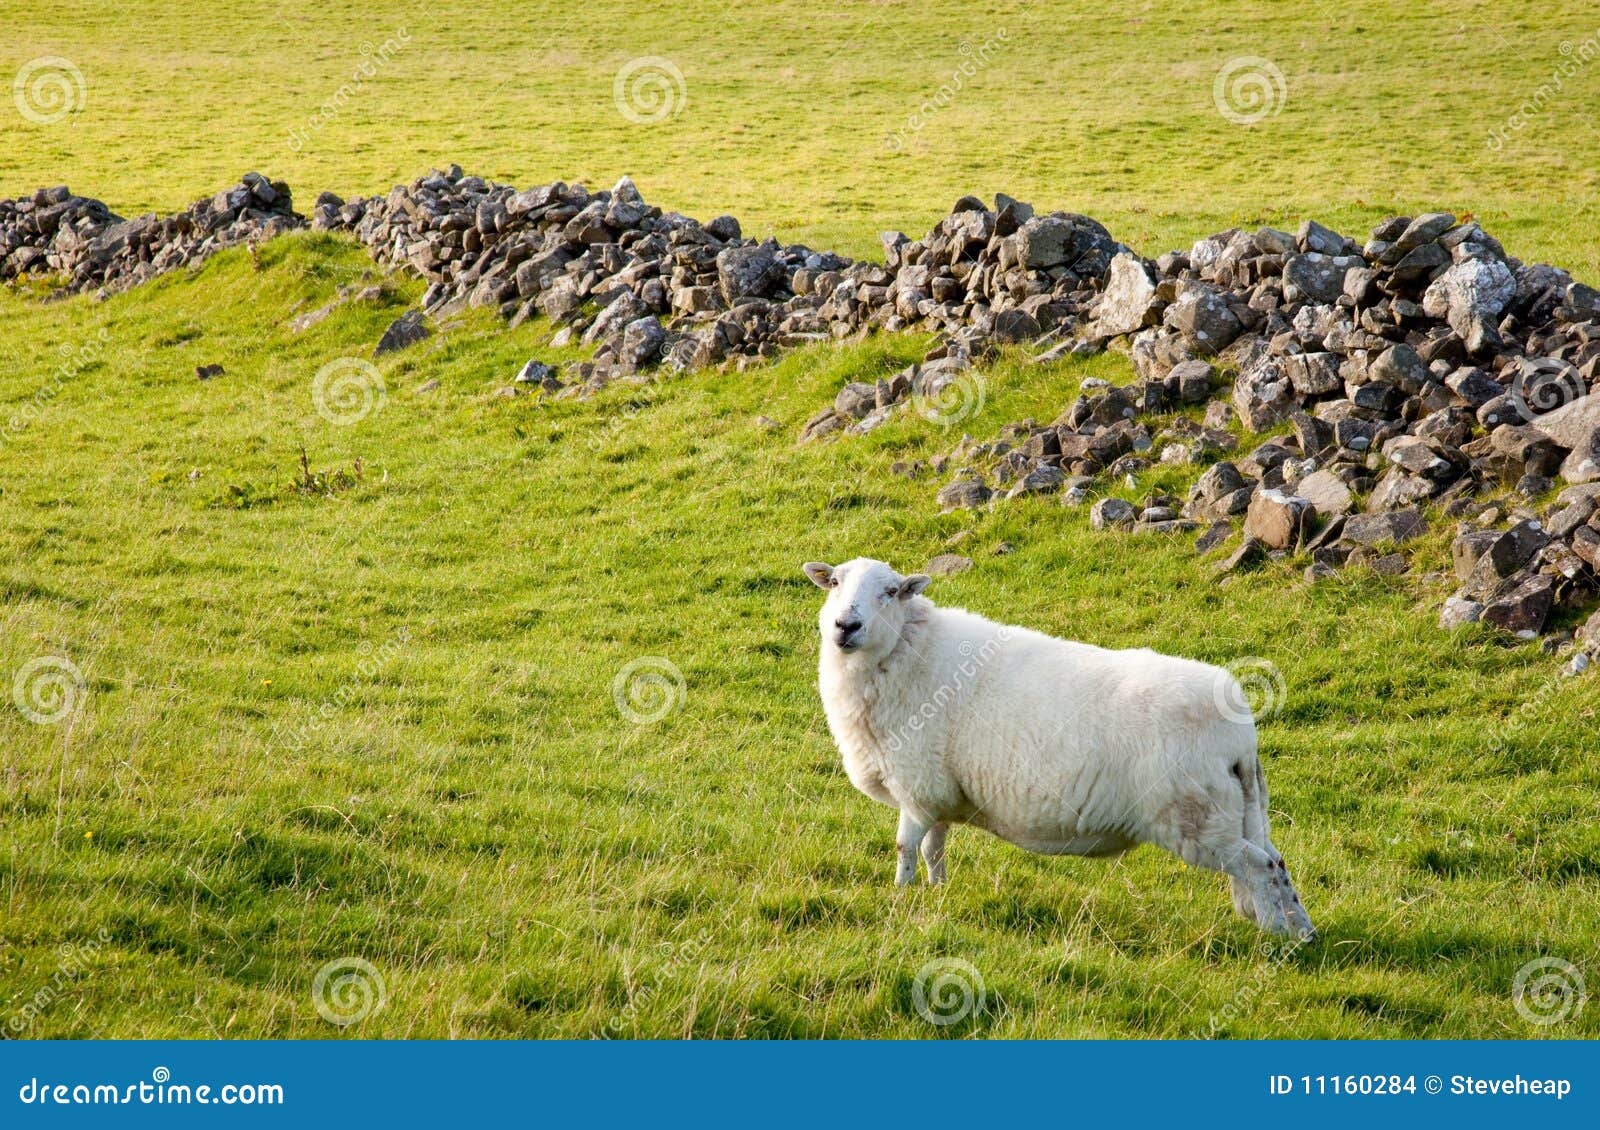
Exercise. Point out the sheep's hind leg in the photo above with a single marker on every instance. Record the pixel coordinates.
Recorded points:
(933, 852)
(906, 841)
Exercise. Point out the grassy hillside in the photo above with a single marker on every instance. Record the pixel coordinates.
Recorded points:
(376, 716)
(389, 705)
(828, 123)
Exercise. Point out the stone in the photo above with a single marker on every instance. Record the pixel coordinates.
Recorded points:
(1459, 610)
(1204, 321)
(856, 399)
(1468, 547)
(1328, 494)
(1313, 374)
(404, 331)
(642, 342)
(825, 423)
(535, 372)
(948, 564)
(749, 271)
(1111, 513)
(1582, 464)
(1215, 535)
(1128, 302)
(1042, 479)
(1012, 326)
(1571, 424)
(963, 494)
(1278, 520)
(1509, 552)
(1250, 552)
(1384, 529)
(1520, 604)
(1264, 396)
(1313, 277)
(1191, 381)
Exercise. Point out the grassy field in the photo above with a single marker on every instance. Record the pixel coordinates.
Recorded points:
(826, 123)
(376, 715)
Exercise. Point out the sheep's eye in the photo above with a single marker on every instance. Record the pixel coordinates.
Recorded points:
(887, 593)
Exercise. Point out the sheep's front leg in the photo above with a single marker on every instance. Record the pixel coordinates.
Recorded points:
(933, 853)
(906, 841)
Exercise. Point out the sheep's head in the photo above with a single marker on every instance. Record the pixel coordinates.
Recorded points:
(866, 606)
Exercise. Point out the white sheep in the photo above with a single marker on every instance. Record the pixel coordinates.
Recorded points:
(1057, 747)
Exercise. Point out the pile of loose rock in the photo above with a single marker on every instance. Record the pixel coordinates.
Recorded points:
(56, 233)
(647, 287)
(1424, 367)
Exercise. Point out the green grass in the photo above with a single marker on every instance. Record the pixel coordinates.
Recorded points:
(379, 721)
(375, 718)
(786, 109)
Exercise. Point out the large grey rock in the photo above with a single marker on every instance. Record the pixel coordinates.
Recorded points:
(1110, 513)
(749, 271)
(1328, 494)
(1582, 464)
(1384, 529)
(408, 329)
(1571, 424)
(1313, 277)
(1278, 520)
(1128, 302)
(1203, 320)
(1264, 395)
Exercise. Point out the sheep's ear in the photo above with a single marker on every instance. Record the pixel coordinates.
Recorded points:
(912, 585)
(821, 574)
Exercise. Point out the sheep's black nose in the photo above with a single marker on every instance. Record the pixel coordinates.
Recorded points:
(847, 626)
